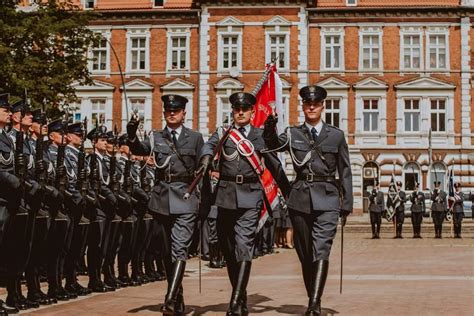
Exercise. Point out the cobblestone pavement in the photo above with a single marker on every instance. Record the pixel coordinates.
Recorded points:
(381, 277)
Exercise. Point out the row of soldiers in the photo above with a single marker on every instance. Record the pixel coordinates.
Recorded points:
(114, 201)
(442, 207)
(56, 203)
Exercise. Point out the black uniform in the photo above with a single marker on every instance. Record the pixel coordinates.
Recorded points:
(438, 210)
(418, 208)
(317, 198)
(376, 208)
(458, 213)
(239, 199)
(176, 154)
(399, 216)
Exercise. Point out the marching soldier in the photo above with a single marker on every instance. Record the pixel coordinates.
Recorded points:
(9, 196)
(376, 208)
(38, 130)
(240, 195)
(175, 149)
(418, 208)
(317, 197)
(399, 216)
(438, 208)
(60, 219)
(78, 204)
(23, 223)
(458, 209)
(99, 229)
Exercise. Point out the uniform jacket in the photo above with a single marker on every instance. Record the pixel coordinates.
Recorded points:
(231, 195)
(417, 199)
(438, 198)
(327, 156)
(377, 204)
(403, 199)
(458, 206)
(167, 198)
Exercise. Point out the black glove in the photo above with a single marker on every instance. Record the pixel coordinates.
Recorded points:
(132, 127)
(343, 214)
(203, 163)
(271, 122)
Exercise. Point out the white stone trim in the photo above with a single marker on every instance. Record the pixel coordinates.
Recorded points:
(278, 32)
(303, 46)
(203, 85)
(437, 30)
(106, 33)
(371, 30)
(420, 139)
(466, 80)
(177, 31)
(229, 31)
(411, 29)
(138, 32)
(370, 139)
(332, 30)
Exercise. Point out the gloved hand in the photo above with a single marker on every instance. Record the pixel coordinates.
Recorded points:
(271, 122)
(132, 127)
(343, 214)
(203, 163)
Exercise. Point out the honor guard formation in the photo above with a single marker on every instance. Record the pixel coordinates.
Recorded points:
(131, 209)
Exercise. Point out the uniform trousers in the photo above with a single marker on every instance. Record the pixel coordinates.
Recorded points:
(313, 237)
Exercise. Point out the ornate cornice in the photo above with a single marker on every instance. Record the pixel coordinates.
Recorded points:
(152, 16)
(389, 12)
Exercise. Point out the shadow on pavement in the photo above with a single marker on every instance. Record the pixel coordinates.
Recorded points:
(255, 306)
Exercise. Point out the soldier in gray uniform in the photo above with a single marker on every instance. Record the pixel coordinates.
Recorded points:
(10, 184)
(376, 207)
(239, 195)
(438, 208)
(399, 216)
(175, 149)
(317, 197)
(418, 208)
(458, 209)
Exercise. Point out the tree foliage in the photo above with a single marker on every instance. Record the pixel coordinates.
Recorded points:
(44, 49)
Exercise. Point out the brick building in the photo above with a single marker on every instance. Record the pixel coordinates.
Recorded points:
(392, 72)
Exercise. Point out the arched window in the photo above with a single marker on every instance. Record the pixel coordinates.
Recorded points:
(412, 175)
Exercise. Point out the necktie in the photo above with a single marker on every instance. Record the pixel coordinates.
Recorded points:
(242, 131)
(314, 134)
(173, 134)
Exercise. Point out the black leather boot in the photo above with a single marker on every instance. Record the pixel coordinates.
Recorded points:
(213, 254)
(320, 273)
(174, 284)
(6, 309)
(240, 289)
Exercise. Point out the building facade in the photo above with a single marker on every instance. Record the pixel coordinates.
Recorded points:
(399, 77)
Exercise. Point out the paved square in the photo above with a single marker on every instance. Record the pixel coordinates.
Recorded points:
(381, 277)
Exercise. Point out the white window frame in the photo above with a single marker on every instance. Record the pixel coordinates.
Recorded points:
(332, 111)
(411, 31)
(107, 35)
(442, 31)
(148, 113)
(437, 111)
(332, 31)
(414, 171)
(405, 111)
(370, 111)
(370, 31)
(85, 108)
(181, 32)
(268, 48)
(133, 33)
(351, 4)
(369, 139)
(158, 6)
(84, 4)
(230, 31)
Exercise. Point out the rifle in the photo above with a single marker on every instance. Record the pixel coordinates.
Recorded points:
(144, 181)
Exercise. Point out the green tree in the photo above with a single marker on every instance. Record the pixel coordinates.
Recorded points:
(44, 49)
